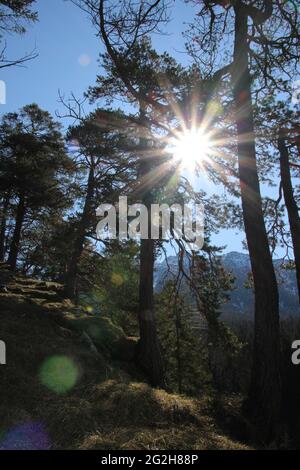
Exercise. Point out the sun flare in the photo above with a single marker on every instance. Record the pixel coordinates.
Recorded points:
(190, 148)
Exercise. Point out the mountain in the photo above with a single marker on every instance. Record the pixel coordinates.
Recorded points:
(241, 298)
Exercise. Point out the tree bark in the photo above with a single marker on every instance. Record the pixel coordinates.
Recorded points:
(290, 202)
(3, 227)
(148, 352)
(15, 244)
(264, 400)
(178, 347)
(72, 271)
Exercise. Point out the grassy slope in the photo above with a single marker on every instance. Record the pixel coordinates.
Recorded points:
(105, 408)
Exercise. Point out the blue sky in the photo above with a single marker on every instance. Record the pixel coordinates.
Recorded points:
(68, 51)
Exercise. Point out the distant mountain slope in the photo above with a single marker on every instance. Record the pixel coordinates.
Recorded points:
(241, 298)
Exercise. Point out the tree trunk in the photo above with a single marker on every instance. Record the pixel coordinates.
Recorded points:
(72, 270)
(149, 353)
(264, 401)
(15, 244)
(3, 227)
(178, 347)
(290, 202)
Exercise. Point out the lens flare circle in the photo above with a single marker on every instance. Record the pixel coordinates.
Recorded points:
(190, 148)
(59, 374)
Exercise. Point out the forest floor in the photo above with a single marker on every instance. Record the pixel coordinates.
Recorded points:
(64, 385)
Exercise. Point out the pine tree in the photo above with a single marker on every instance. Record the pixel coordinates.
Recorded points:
(14, 16)
(145, 69)
(103, 159)
(34, 166)
(264, 36)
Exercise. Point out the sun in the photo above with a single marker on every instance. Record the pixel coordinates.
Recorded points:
(190, 147)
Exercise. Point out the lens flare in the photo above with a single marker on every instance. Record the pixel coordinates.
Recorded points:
(190, 148)
(59, 374)
(117, 279)
(28, 436)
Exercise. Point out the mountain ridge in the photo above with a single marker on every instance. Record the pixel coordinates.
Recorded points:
(241, 298)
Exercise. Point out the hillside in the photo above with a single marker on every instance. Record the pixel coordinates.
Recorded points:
(241, 297)
(65, 387)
